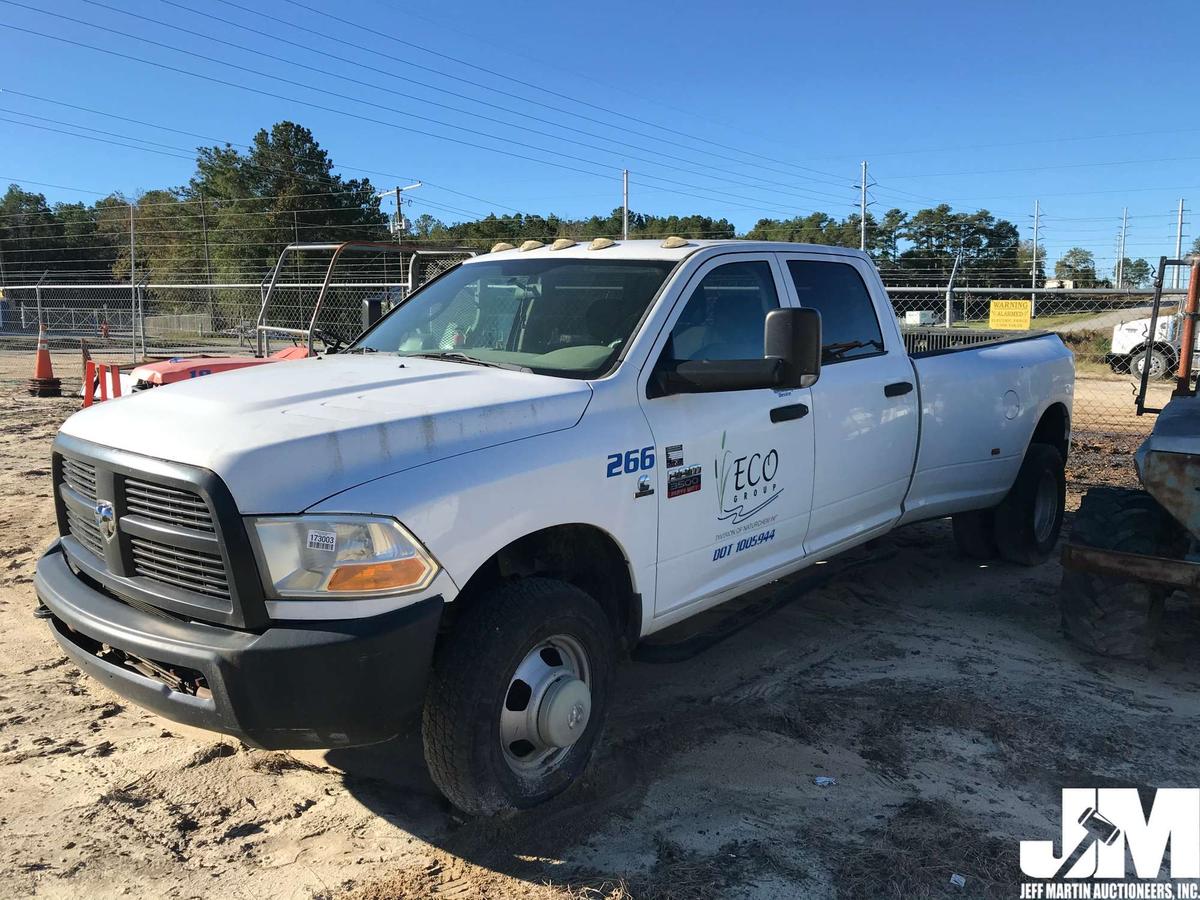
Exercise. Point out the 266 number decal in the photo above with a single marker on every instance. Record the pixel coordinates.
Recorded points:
(630, 461)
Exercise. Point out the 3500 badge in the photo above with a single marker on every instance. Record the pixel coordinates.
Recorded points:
(630, 461)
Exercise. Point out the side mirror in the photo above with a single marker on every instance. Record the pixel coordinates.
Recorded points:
(793, 336)
(705, 376)
(791, 359)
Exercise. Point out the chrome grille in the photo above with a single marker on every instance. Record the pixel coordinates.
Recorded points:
(169, 550)
(80, 477)
(191, 570)
(169, 505)
(84, 530)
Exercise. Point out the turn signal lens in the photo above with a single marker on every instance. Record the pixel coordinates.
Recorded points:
(382, 577)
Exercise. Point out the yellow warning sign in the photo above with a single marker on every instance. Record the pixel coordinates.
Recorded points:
(1010, 315)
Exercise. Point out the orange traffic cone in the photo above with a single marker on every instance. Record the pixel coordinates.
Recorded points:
(43, 383)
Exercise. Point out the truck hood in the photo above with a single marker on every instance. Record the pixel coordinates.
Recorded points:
(289, 434)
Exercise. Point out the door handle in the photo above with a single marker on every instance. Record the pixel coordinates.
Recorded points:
(898, 389)
(787, 413)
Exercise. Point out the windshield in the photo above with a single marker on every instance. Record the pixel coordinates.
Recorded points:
(568, 317)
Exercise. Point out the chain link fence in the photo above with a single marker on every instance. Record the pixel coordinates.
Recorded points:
(1106, 329)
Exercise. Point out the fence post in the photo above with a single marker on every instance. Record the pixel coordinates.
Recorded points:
(950, 290)
(133, 292)
(37, 292)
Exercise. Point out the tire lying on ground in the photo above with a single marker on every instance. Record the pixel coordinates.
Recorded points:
(518, 696)
(1113, 616)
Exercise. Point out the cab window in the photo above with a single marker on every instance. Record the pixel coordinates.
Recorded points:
(725, 315)
(849, 326)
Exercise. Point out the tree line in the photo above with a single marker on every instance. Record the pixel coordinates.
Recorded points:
(240, 207)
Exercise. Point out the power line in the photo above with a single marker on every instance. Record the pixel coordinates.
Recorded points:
(218, 140)
(509, 77)
(1121, 162)
(754, 203)
(330, 74)
(308, 49)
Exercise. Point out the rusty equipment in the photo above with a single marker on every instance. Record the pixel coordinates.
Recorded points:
(1129, 548)
(43, 383)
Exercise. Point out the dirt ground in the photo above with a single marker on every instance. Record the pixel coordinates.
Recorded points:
(938, 693)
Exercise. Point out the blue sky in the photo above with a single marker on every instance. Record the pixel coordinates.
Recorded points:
(742, 110)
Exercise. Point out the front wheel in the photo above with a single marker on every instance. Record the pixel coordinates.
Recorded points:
(518, 696)
(1029, 519)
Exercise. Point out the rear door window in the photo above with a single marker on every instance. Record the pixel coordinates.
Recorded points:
(849, 326)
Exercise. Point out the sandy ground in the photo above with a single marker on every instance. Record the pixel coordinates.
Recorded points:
(937, 692)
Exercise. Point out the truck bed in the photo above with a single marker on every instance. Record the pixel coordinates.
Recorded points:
(980, 402)
(928, 340)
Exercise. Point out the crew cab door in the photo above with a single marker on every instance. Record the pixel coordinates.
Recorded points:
(734, 467)
(865, 405)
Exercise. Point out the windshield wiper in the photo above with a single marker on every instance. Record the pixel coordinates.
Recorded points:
(835, 351)
(361, 350)
(459, 356)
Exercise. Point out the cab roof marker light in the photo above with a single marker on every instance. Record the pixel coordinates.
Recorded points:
(501, 247)
(674, 242)
(601, 244)
(563, 244)
(531, 245)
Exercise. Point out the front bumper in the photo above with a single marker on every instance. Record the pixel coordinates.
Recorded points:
(294, 685)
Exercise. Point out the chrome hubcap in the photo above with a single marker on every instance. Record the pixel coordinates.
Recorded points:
(547, 706)
(1045, 507)
(1157, 365)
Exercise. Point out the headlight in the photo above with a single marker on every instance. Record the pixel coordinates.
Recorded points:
(316, 556)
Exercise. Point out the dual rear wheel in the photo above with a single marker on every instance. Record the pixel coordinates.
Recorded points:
(1025, 526)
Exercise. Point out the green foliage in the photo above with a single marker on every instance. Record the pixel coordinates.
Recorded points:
(1079, 266)
(1135, 273)
(230, 221)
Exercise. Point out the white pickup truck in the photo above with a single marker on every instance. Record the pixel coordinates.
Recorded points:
(539, 458)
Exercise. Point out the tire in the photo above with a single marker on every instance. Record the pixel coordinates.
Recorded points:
(975, 534)
(1115, 616)
(1161, 366)
(1029, 519)
(475, 698)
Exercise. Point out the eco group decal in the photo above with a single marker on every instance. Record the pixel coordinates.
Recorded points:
(1106, 829)
(745, 484)
(745, 487)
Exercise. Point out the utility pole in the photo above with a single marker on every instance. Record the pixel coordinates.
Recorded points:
(1121, 251)
(624, 204)
(397, 227)
(862, 210)
(1033, 272)
(1178, 245)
